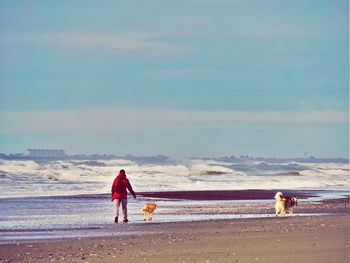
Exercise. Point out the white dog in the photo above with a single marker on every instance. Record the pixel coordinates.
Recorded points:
(284, 204)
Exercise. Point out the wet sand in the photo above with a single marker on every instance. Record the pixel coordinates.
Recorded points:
(249, 194)
(292, 239)
(266, 208)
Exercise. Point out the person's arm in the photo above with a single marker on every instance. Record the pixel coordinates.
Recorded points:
(113, 187)
(128, 185)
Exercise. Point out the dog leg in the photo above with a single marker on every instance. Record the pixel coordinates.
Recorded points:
(283, 213)
(144, 216)
(278, 211)
(150, 216)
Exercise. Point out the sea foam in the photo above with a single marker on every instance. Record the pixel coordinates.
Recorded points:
(67, 177)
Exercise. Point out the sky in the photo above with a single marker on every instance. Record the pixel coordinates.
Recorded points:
(180, 78)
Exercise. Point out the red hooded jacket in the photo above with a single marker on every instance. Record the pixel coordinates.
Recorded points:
(120, 184)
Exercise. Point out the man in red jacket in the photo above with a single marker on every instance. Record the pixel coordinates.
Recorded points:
(119, 195)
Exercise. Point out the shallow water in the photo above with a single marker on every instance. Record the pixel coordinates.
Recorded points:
(111, 229)
(54, 213)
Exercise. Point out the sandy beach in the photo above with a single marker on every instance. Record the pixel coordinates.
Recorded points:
(319, 238)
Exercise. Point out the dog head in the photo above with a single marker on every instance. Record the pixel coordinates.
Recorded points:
(295, 200)
(149, 207)
(279, 196)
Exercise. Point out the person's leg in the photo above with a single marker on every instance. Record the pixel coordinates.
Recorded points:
(125, 209)
(116, 209)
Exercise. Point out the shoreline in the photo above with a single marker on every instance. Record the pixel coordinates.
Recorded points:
(202, 195)
(181, 213)
(320, 237)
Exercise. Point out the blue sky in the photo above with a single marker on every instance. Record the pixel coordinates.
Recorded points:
(181, 78)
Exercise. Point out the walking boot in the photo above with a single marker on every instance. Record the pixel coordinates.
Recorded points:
(116, 220)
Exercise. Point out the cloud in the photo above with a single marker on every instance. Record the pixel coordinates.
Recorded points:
(114, 119)
(119, 43)
(181, 72)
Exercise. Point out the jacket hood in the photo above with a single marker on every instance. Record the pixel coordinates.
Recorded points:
(122, 174)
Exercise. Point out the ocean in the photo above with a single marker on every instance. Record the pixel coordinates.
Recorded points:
(75, 177)
(46, 198)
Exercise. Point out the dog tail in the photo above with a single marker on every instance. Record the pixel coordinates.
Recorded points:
(278, 195)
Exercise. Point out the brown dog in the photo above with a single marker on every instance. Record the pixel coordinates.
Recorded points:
(148, 208)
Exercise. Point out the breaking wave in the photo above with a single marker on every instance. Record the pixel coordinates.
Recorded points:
(31, 178)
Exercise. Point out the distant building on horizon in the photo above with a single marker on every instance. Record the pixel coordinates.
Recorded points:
(46, 153)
